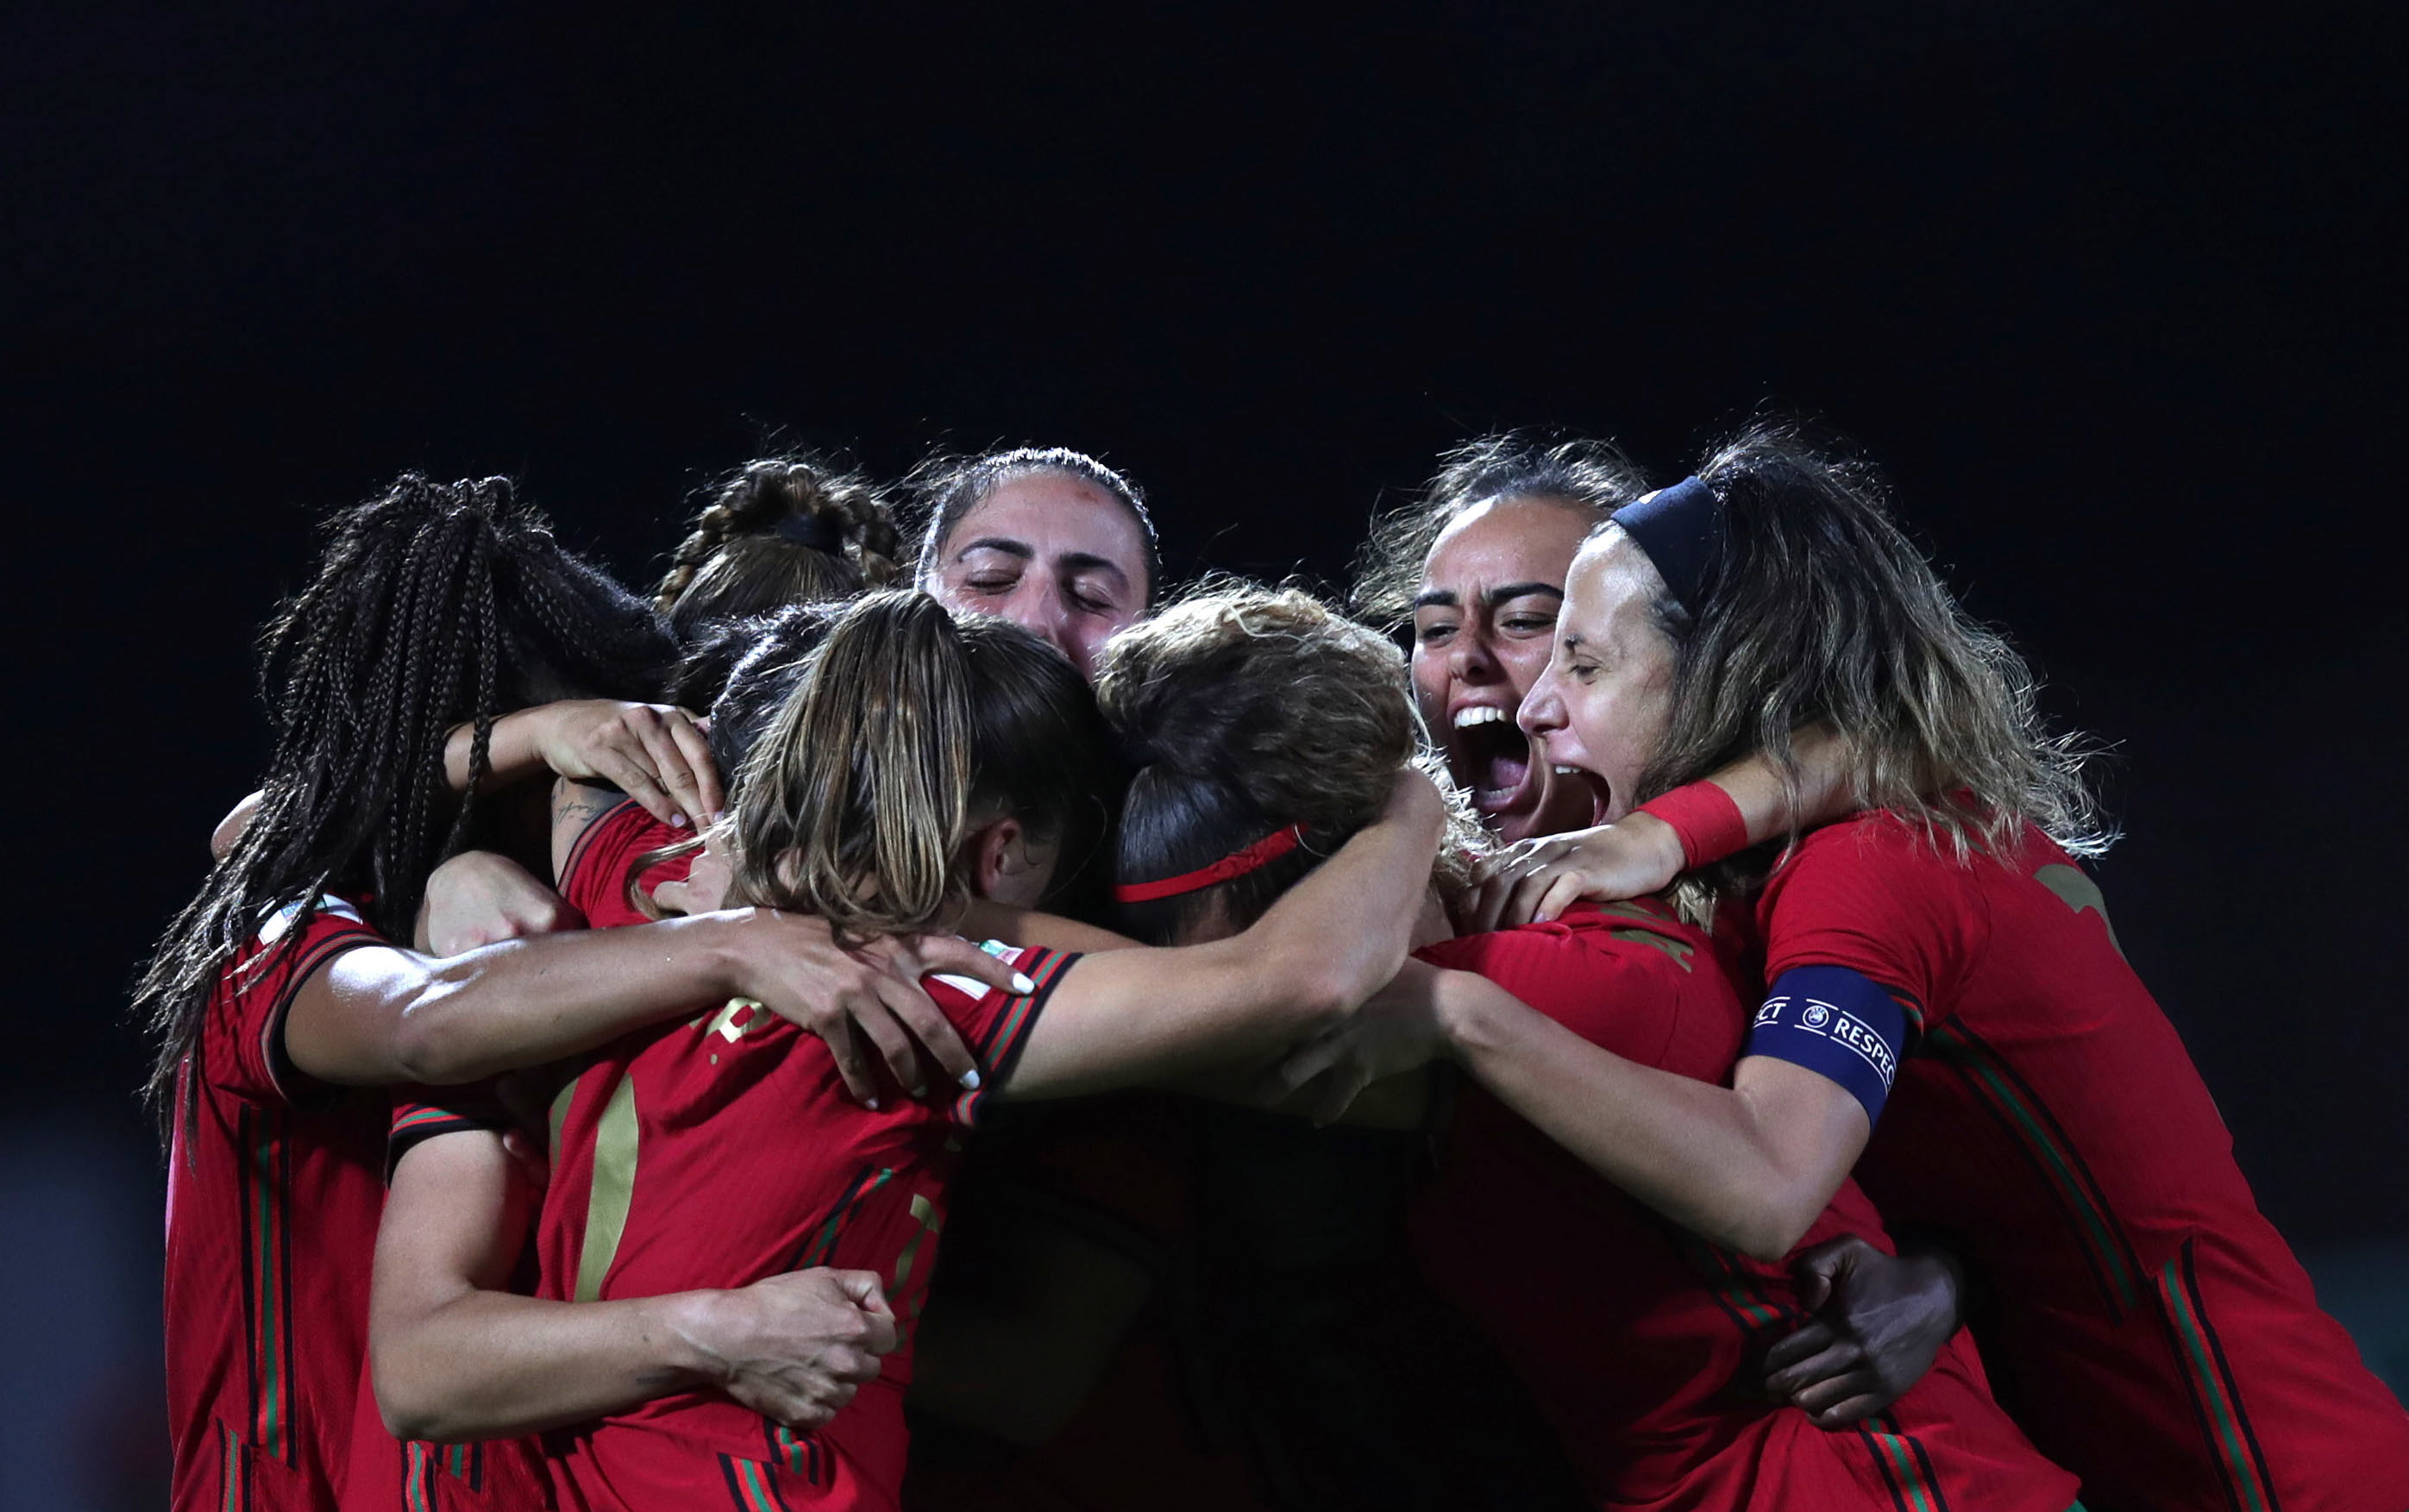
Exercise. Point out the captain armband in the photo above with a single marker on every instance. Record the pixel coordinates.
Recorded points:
(1837, 1023)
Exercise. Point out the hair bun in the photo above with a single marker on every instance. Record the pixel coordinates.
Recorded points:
(821, 530)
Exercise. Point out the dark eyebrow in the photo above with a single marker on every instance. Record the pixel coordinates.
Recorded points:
(999, 543)
(1508, 592)
(1089, 562)
(1435, 598)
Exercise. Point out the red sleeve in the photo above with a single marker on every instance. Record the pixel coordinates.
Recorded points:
(1622, 995)
(1872, 894)
(244, 1033)
(422, 1113)
(593, 878)
(995, 1023)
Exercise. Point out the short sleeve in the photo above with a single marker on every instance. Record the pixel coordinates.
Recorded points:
(995, 1023)
(1871, 895)
(594, 878)
(423, 1113)
(1837, 1024)
(246, 1027)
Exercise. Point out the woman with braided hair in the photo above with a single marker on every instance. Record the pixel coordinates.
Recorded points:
(277, 995)
(777, 531)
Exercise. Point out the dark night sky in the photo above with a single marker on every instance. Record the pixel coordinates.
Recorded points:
(2108, 296)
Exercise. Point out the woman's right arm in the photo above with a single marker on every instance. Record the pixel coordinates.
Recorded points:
(379, 1015)
(457, 1356)
(1148, 1016)
(1749, 1166)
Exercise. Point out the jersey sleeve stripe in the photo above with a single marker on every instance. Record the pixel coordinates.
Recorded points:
(799, 1452)
(266, 1281)
(999, 1047)
(2028, 1121)
(1906, 1469)
(271, 1029)
(750, 1486)
(414, 1123)
(579, 847)
(234, 1482)
(2214, 1391)
(823, 1241)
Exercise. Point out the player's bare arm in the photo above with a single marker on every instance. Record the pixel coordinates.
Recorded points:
(455, 1355)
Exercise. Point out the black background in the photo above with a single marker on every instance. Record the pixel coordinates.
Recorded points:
(2110, 298)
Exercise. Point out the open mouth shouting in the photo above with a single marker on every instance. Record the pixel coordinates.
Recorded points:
(1513, 788)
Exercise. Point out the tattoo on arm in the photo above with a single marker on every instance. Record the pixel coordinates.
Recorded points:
(575, 806)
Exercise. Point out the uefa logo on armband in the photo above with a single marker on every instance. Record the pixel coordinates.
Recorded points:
(1816, 1015)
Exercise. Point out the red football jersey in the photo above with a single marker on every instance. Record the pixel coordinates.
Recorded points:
(2152, 1331)
(1120, 1171)
(389, 1475)
(722, 1150)
(274, 1184)
(600, 862)
(1639, 1338)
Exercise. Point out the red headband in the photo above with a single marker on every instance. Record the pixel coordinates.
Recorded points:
(1237, 864)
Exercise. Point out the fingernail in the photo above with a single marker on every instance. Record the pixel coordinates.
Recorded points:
(872, 1104)
(677, 821)
(1022, 985)
(971, 1080)
(921, 1090)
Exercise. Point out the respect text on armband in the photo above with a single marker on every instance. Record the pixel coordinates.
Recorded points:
(1829, 1021)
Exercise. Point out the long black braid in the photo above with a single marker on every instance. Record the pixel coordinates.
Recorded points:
(435, 605)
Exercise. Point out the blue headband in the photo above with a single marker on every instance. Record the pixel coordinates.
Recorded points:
(1682, 531)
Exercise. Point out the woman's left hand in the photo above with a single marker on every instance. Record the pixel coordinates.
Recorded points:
(1395, 1031)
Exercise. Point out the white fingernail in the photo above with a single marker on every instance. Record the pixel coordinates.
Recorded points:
(971, 1080)
(1022, 985)
(677, 821)
(872, 1104)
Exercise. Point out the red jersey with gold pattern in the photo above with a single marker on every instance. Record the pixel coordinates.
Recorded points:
(1637, 1337)
(601, 864)
(274, 1184)
(504, 1475)
(2145, 1323)
(722, 1150)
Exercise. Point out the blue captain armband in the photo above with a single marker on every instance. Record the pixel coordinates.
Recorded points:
(1837, 1023)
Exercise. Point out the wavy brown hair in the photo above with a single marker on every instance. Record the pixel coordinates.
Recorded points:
(1591, 474)
(780, 530)
(1822, 609)
(1245, 710)
(908, 730)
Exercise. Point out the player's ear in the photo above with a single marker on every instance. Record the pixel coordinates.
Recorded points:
(1000, 855)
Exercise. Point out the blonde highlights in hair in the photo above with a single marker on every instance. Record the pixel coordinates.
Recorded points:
(1824, 611)
(907, 730)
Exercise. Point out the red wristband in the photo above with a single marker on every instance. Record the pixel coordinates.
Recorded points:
(1709, 823)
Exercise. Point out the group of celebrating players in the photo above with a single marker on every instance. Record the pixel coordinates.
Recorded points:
(1649, 1042)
